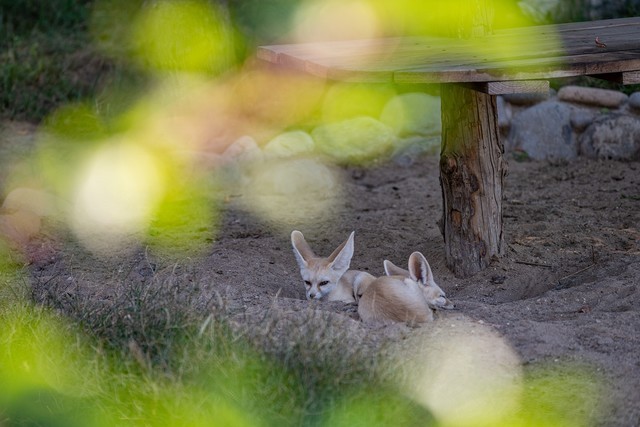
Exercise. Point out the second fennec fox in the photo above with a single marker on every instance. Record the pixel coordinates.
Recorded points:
(403, 295)
(328, 278)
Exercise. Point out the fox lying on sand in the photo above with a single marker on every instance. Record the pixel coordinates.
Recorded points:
(328, 278)
(402, 295)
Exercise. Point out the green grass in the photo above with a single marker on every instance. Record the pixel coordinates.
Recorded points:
(45, 57)
(148, 355)
(44, 71)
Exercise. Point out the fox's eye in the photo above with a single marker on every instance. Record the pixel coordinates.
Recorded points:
(308, 283)
(323, 283)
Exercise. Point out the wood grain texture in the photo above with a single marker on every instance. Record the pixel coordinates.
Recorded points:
(530, 53)
(472, 173)
(514, 86)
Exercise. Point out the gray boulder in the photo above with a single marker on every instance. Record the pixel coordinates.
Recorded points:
(581, 118)
(634, 100)
(527, 99)
(413, 114)
(614, 136)
(544, 132)
(290, 144)
(408, 150)
(356, 141)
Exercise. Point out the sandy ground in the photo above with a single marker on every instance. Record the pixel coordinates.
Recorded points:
(566, 289)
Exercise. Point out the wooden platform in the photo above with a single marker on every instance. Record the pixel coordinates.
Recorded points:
(531, 53)
(471, 72)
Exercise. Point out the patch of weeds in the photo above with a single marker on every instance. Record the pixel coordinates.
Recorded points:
(44, 71)
(149, 320)
(170, 355)
(45, 58)
(330, 369)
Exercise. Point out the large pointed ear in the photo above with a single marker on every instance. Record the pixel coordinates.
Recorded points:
(301, 248)
(419, 269)
(391, 269)
(341, 257)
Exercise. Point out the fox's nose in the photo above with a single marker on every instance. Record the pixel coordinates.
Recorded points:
(312, 295)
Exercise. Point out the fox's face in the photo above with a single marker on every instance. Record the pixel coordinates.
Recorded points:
(320, 278)
(321, 275)
(436, 298)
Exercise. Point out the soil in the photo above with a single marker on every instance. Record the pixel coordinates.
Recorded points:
(566, 289)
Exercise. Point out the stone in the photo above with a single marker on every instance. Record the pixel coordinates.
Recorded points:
(292, 190)
(614, 136)
(581, 118)
(505, 112)
(18, 227)
(355, 141)
(244, 149)
(544, 132)
(593, 96)
(634, 100)
(38, 202)
(413, 113)
(289, 144)
(527, 99)
(408, 150)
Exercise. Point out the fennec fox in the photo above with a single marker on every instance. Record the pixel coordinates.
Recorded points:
(328, 278)
(435, 296)
(403, 295)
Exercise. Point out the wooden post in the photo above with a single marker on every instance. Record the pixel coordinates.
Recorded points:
(472, 173)
(471, 163)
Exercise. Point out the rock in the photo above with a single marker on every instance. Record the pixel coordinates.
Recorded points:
(527, 98)
(355, 141)
(505, 112)
(408, 150)
(243, 149)
(413, 114)
(37, 202)
(592, 96)
(544, 132)
(580, 119)
(614, 136)
(292, 190)
(234, 163)
(289, 144)
(18, 227)
(634, 100)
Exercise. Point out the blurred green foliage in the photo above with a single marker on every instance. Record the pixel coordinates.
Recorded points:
(49, 55)
(45, 56)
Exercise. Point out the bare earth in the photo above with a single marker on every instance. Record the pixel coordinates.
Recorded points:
(566, 289)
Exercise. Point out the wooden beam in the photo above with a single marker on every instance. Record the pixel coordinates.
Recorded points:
(509, 87)
(625, 78)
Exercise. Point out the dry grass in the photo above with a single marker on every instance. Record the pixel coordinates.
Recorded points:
(163, 345)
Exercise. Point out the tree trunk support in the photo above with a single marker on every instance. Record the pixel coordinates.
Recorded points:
(472, 171)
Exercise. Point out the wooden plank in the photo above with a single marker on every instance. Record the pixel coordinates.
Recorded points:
(429, 61)
(442, 60)
(572, 27)
(533, 43)
(508, 87)
(530, 69)
(625, 78)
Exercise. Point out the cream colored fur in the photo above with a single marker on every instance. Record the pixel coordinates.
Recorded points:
(328, 278)
(401, 296)
(435, 296)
